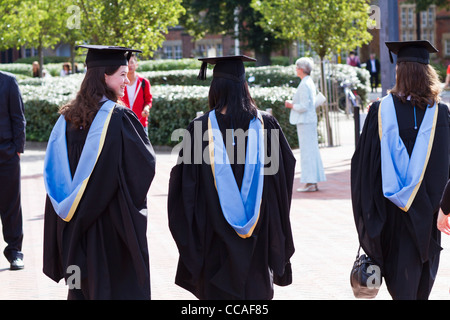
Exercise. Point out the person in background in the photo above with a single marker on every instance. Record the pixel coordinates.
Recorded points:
(373, 66)
(447, 78)
(398, 173)
(66, 70)
(137, 93)
(35, 69)
(353, 59)
(12, 143)
(303, 115)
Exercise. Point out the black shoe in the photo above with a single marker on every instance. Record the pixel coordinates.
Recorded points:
(16, 264)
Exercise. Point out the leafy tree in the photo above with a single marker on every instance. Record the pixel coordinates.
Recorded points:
(45, 23)
(326, 26)
(139, 24)
(220, 17)
(31, 23)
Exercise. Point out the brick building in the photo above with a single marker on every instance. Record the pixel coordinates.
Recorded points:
(179, 44)
(434, 27)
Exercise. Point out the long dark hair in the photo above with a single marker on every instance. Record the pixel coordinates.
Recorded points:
(81, 111)
(418, 81)
(235, 97)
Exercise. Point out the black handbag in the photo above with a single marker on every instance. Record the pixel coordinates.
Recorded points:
(365, 277)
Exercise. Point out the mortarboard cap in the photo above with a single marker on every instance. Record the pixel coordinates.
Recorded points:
(411, 51)
(107, 56)
(228, 67)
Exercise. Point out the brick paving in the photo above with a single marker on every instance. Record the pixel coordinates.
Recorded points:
(322, 223)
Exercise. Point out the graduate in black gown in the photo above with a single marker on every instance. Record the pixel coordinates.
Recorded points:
(98, 169)
(230, 195)
(398, 173)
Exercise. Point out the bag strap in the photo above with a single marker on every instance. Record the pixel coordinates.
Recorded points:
(359, 249)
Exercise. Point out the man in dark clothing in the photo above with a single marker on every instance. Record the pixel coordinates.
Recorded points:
(373, 66)
(12, 142)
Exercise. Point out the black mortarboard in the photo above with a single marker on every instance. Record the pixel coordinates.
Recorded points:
(411, 51)
(107, 56)
(228, 67)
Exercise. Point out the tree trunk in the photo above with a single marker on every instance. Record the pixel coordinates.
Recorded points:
(326, 111)
(262, 57)
(41, 58)
(72, 57)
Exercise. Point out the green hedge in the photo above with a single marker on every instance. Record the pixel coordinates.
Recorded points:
(272, 76)
(174, 105)
(42, 100)
(41, 116)
(173, 108)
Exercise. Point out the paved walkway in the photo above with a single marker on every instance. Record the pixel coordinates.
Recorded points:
(322, 223)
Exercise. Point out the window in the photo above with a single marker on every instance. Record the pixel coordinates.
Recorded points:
(209, 47)
(427, 23)
(408, 21)
(30, 52)
(431, 16)
(167, 52)
(410, 17)
(403, 17)
(201, 49)
(447, 47)
(178, 52)
(172, 49)
(424, 19)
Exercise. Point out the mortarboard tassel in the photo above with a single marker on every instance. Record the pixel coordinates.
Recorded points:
(390, 56)
(202, 73)
(129, 55)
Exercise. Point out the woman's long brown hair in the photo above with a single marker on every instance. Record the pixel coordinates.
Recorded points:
(81, 111)
(418, 81)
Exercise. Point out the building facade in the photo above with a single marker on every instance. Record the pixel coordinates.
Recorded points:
(179, 44)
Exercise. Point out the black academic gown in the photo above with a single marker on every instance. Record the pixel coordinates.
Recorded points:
(406, 245)
(445, 201)
(106, 237)
(214, 262)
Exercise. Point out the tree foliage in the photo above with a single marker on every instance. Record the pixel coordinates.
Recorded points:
(140, 24)
(325, 25)
(30, 23)
(219, 17)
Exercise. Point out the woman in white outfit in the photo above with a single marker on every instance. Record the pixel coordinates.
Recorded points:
(303, 115)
